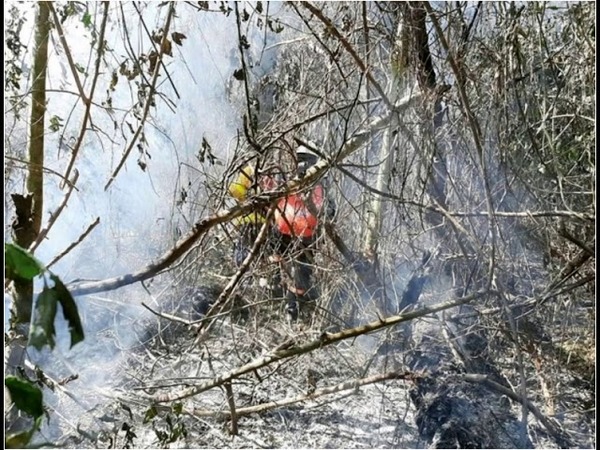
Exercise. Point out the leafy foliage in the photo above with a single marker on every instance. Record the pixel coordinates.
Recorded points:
(12, 67)
(69, 308)
(168, 427)
(21, 265)
(27, 398)
(42, 331)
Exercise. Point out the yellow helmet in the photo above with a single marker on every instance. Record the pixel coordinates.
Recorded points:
(239, 187)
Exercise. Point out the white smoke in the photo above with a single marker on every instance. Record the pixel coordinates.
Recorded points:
(137, 218)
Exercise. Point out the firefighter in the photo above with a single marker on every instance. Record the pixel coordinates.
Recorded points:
(297, 220)
(295, 227)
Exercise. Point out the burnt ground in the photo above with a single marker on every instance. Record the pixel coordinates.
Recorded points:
(130, 354)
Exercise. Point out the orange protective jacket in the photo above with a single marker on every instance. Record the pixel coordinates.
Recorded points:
(295, 214)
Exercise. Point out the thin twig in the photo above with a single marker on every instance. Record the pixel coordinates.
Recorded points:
(199, 229)
(475, 130)
(440, 210)
(569, 269)
(149, 102)
(45, 169)
(317, 116)
(359, 62)
(54, 216)
(562, 231)
(86, 100)
(520, 364)
(251, 123)
(72, 66)
(225, 295)
(167, 316)
(232, 413)
(529, 303)
(333, 57)
(74, 244)
(143, 22)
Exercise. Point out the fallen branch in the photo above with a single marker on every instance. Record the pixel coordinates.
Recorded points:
(181, 248)
(288, 351)
(346, 385)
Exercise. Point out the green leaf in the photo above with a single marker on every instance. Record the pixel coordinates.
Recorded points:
(150, 414)
(80, 68)
(69, 308)
(42, 331)
(87, 20)
(20, 263)
(26, 396)
(22, 439)
(55, 123)
(178, 408)
(18, 440)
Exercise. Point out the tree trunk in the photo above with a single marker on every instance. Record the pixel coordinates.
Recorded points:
(29, 208)
(377, 207)
(35, 180)
(451, 410)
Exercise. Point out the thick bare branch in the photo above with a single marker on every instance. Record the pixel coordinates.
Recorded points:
(290, 350)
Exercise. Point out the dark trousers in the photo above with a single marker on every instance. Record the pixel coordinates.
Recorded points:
(300, 253)
(297, 255)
